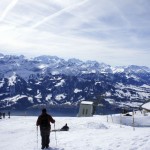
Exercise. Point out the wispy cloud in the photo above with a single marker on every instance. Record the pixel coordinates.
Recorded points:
(8, 8)
(58, 13)
(113, 31)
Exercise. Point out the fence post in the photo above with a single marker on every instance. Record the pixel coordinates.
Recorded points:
(111, 118)
(120, 119)
(133, 120)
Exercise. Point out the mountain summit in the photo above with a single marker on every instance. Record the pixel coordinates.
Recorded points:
(50, 80)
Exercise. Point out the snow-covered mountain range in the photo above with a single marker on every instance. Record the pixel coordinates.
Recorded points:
(54, 81)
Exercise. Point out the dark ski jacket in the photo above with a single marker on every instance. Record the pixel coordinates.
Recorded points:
(44, 121)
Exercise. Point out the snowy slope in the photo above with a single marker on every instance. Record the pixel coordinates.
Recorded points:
(90, 133)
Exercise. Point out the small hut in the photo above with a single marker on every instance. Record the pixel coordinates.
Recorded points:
(146, 107)
(86, 109)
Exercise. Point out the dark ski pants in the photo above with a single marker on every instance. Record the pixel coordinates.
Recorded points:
(45, 133)
(45, 141)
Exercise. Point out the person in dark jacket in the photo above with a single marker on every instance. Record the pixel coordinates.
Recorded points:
(0, 115)
(4, 115)
(65, 128)
(9, 114)
(44, 121)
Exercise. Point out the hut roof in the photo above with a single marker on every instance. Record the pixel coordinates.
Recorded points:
(146, 106)
(87, 102)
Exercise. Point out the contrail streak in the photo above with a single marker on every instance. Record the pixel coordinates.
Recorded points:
(8, 8)
(57, 14)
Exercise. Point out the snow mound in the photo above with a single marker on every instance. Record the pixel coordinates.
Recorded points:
(94, 125)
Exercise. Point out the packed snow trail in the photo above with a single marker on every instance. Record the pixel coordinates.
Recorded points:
(90, 133)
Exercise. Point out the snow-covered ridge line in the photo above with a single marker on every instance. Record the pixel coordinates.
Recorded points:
(56, 65)
(55, 81)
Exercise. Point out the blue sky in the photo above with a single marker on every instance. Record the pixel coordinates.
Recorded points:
(116, 32)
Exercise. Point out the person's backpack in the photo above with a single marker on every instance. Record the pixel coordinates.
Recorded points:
(44, 121)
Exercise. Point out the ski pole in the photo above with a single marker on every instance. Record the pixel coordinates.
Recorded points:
(55, 134)
(37, 137)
